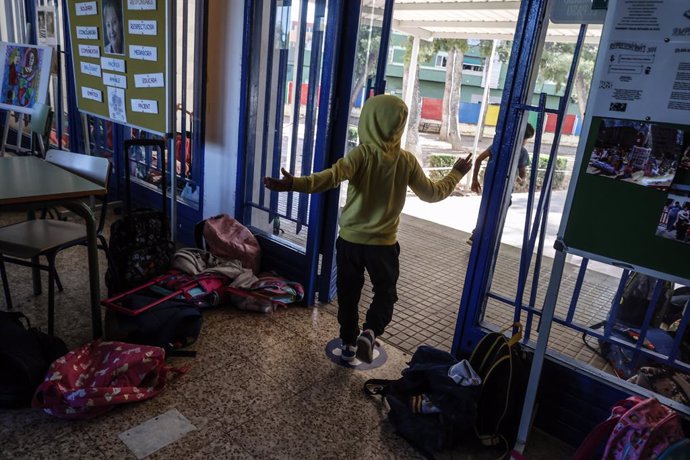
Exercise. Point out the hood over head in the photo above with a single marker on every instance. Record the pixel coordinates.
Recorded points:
(382, 122)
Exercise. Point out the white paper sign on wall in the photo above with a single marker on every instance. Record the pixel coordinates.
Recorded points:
(87, 33)
(149, 5)
(91, 93)
(92, 51)
(113, 79)
(144, 53)
(144, 106)
(116, 65)
(143, 27)
(86, 9)
(89, 68)
(149, 80)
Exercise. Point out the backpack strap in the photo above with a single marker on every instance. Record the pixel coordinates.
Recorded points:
(595, 439)
(517, 336)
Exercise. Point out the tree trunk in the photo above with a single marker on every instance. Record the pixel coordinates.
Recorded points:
(356, 92)
(581, 91)
(453, 133)
(362, 80)
(414, 116)
(403, 84)
(447, 89)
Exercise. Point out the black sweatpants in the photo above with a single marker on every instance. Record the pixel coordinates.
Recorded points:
(382, 264)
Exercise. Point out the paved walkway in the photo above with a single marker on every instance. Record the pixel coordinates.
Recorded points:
(434, 258)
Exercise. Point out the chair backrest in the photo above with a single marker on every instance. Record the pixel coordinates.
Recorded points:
(95, 169)
(39, 118)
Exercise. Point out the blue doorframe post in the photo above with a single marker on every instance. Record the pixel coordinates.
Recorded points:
(331, 200)
(380, 84)
(76, 139)
(529, 38)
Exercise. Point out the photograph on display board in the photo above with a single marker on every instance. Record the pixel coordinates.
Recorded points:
(116, 104)
(685, 160)
(642, 153)
(113, 27)
(22, 75)
(41, 24)
(50, 25)
(675, 217)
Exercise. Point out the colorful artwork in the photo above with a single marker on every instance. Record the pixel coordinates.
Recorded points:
(24, 77)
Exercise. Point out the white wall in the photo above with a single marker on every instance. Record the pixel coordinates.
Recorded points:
(224, 71)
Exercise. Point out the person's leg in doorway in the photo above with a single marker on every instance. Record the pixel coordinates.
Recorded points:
(471, 237)
(350, 280)
(383, 266)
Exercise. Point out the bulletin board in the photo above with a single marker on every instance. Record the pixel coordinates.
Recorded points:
(120, 59)
(25, 75)
(632, 173)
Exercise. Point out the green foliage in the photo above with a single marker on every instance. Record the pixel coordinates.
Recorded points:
(440, 161)
(448, 44)
(426, 50)
(556, 59)
(559, 182)
(352, 136)
(559, 178)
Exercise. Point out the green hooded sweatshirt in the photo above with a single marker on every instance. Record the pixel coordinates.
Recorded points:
(379, 173)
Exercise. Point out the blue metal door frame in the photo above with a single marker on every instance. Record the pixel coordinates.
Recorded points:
(343, 85)
(277, 254)
(573, 401)
(529, 33)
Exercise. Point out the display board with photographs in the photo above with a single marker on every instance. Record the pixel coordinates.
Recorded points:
(631, 195)
(120, 58)
(46, 23)
(622, 208)
(25, 76)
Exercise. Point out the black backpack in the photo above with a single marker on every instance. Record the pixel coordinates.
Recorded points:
(172, 324)
(504, 370)
(25, 355)
(637, 296)
(427, 408)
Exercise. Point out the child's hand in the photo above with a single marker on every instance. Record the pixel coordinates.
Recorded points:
(476, 187)
(279, 185)
(463, 165)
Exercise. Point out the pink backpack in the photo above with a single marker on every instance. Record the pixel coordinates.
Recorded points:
(267, 293)
(227, 238)
(638, 429)
(92, 379)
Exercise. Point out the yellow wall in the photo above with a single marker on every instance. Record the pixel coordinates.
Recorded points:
(491, 117)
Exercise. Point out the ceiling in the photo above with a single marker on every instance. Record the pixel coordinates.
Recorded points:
(477, 19)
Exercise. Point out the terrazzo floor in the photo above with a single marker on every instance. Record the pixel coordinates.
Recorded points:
(260, 387)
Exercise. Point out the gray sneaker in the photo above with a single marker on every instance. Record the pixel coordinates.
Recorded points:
(365, 346)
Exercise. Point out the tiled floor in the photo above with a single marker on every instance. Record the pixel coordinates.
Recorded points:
(261, 385)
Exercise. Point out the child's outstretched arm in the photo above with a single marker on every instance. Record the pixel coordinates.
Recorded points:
(279, 185)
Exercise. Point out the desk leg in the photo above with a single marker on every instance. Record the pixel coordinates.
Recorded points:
(83, 210)
(35, 271)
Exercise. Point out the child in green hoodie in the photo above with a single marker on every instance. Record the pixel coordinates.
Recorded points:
(379, 173)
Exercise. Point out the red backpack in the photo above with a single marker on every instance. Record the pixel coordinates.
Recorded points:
(92, 379)
(638, 429)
